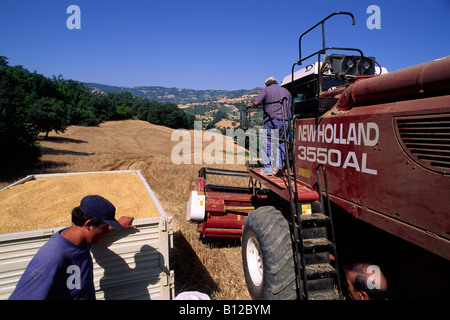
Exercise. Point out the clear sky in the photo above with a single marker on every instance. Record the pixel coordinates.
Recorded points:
(210, 44)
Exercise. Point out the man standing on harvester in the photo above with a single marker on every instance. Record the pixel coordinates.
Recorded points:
(274, 100)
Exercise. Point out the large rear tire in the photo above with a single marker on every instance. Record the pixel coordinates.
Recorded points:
(267, 255)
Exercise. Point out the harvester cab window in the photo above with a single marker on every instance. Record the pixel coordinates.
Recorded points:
(298, 97)
(332, 82)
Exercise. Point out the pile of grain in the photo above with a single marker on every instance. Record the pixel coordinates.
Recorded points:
(48, 202)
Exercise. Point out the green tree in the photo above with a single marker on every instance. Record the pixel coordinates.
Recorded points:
(48, 114)
(3, 61)
(17, 136)
(140, 108)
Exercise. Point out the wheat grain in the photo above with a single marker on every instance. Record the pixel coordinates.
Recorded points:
(47, 203)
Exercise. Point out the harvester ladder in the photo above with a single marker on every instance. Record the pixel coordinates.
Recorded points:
(312, 236)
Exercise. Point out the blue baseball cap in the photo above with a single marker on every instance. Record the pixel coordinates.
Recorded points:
(98, 207)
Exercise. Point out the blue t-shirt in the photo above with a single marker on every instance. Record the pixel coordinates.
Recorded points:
(60, 270)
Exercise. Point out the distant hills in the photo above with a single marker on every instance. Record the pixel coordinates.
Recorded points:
(175, 95)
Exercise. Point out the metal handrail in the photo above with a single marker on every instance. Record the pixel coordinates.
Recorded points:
(322, 22)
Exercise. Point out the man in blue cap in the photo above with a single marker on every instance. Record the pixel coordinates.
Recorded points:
(63, 268)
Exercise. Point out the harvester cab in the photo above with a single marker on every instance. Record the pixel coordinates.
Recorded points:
(315, 88)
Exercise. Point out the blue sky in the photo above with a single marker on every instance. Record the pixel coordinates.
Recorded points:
(210, 44)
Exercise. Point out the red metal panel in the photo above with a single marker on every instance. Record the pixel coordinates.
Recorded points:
(226, 211)
(228, 224)
(367, 166)
(218, 203)
(214, 206)
(280, 185)
(197, 184)
(421, 238)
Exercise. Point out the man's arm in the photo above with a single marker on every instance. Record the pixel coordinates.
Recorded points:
(37, 279)
(125, 222)
(32, 287)
(259, 100)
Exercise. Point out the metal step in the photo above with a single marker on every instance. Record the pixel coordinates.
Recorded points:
(314, 233)
(317, 271)
(317, 244)
(323, 295)
(314, 217)
(324, 284)
(317, 258)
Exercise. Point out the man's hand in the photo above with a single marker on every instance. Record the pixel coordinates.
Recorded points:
(126, 222)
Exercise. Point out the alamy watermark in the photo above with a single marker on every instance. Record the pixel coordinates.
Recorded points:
(74, 279)
(374, 280)
(74, 20)
(374, 20)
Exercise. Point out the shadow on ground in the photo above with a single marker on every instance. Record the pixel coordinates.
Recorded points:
(190, 273)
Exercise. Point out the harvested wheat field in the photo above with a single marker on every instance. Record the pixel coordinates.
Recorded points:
(213, 268)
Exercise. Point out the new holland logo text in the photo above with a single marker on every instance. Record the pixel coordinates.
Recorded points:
(357, 134)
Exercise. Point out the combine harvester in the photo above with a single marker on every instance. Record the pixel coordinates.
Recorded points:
(370, 144)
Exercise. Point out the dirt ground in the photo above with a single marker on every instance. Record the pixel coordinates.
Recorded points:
(214, 268)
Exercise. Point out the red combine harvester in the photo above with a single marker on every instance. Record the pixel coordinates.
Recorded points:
(372, 145)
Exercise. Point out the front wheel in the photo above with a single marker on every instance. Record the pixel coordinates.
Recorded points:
(267, 255)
